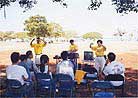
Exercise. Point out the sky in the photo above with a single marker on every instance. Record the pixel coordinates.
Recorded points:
(75, 18)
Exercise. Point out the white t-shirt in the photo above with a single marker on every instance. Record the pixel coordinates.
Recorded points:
(115, 68)
(65, 67)
(16, 72)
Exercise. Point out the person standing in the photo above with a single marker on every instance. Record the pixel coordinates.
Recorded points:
(73, 47)
(73, 55)
(38, 48)
(99, 52)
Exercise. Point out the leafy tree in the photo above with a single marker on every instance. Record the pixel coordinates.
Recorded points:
(70, 34)
(21, 35)
(7, 35)
(92, 35)
(55, 30)
(37, 26)
(122, 6)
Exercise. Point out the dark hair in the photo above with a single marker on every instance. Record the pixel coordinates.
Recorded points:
(111, 56)
(23, 57)
(64, 55)
(15, 56)
(100, 41)
(43, 59)
(28, 53)
(38, 38)
(71, 40)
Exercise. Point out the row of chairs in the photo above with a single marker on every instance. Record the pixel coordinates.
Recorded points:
(59, 84)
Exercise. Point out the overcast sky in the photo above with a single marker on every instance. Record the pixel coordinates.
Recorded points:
(76, 17)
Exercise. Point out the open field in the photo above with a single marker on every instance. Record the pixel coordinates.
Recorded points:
(127, 52)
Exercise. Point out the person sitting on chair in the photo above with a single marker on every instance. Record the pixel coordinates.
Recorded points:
(23, 62)
(15, 71)
(65, 66)
(113, 67)
(44, 68)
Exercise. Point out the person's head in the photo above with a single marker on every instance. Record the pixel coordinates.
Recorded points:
(15, 56)
(23, 58)
(44, 59)
(99, 42)
(111, 56)
(64, 55)
(38, 40)
(71, 41)
(29, 54)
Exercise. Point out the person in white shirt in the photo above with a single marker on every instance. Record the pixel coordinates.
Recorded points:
(114, 67)
(15, 71)
(65, 66)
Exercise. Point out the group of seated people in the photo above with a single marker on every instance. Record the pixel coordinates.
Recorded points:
(23, 67)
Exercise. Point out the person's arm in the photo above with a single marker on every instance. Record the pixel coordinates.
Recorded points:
(31, 43)
(94, 48)
(44, 42)
(25, 74)
(104, 47)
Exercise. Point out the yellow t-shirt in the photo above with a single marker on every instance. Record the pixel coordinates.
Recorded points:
(38, 48)
(73, 47)
(99, 50)
(79, 76)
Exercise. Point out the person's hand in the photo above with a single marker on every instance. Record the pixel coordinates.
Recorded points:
(91, 45)
(107, 61)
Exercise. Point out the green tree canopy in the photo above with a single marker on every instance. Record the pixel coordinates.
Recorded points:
(92, 35)
(55, 30)
(70, 34)
(121, 6)
(37, 26)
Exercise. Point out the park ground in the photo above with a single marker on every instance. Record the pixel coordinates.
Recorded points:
(127, 53)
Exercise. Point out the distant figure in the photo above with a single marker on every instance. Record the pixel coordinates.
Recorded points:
(23, 63)
(38, 48)
(65, 66)
(73, 55)
(15, 71)
(113, 67)
(44, 60)
(99, 52)
(73, 48)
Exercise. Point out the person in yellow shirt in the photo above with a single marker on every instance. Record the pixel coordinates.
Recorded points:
(99, 52)
(73, 48)
(38, 48)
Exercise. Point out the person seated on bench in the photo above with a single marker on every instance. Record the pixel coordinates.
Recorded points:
(65, 66)
(113, 67)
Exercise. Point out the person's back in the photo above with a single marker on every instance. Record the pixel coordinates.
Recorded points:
(23, 63)
(15, 71)
(114, 67)
(44, 60)
(65, 66)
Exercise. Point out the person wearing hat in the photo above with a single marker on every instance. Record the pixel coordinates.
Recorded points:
(38, 48)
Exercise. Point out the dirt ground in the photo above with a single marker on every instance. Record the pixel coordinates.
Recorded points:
(127, 52)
